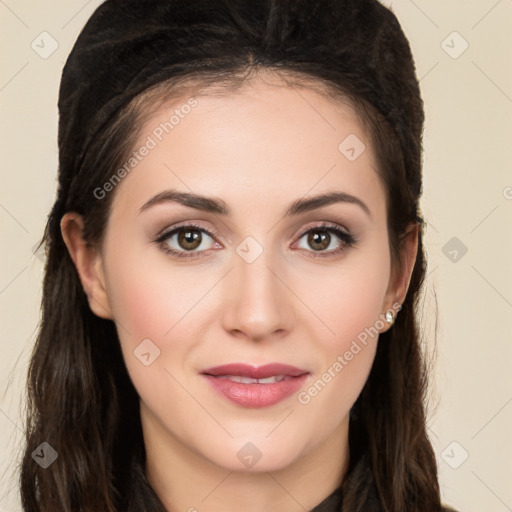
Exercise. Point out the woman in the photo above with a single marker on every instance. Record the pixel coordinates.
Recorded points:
(233, 263)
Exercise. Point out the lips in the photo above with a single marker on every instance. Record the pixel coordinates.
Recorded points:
(251, 386)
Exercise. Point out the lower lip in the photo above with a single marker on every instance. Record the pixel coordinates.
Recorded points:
(256, 395)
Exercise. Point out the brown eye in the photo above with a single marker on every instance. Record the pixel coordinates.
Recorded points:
(326, 240)
(319, 240)
(189, 239)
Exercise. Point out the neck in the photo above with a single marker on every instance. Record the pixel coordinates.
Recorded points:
(185, 480)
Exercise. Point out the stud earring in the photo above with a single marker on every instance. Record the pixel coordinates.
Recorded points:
(390, 317)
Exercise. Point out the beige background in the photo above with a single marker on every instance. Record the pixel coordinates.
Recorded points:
(467, 195)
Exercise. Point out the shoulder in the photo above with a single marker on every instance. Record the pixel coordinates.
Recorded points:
(446, 508)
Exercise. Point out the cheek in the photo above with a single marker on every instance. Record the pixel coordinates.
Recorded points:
(140, 305)
(347, 299)
(149, 297)
(348, 303)
(152, 313)
(167, 305)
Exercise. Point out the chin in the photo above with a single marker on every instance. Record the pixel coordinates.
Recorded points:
(257, 456)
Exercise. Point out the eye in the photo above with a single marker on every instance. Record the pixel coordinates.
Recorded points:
(186, 241)
(190, 240)
(327, 240)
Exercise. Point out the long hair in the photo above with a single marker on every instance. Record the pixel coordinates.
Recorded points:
(81, 400)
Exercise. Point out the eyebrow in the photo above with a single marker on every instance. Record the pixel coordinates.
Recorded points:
(218, 206)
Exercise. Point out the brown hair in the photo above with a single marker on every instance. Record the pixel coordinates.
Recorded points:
(80, 397)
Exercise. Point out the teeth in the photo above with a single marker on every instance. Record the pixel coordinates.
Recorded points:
(249, 380)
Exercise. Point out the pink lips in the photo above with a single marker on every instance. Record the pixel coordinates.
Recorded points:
(282, 381)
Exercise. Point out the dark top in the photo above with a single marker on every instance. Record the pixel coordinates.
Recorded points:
(333, 502)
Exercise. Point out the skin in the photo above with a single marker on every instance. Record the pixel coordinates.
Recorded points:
(267, 144)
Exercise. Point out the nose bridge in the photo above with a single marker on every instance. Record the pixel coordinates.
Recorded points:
(257, 303)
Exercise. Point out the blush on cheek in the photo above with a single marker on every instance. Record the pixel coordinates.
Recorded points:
(146, 307)
(168, 311)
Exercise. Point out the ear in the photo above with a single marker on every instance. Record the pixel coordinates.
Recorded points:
(401, 272)
(88, 263)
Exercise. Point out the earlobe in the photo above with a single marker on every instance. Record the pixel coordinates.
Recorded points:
(88, 263)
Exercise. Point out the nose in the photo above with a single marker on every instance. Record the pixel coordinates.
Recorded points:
(257, 300)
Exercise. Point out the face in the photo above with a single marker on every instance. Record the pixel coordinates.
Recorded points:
(215, 253)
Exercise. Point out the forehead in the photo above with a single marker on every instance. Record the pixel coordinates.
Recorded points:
(291, 97)
(263, 135)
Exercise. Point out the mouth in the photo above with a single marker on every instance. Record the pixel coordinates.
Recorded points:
(249, 380)
(251, 386)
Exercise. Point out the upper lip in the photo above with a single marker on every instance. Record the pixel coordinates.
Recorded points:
(255, 372)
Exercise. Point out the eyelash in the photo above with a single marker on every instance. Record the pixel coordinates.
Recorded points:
(348, 240)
